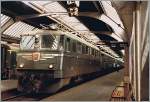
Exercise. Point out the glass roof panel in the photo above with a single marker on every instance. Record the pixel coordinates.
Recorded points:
(113, 14)
(80, 27)
(17, 28)
(4, 19)
(118, 30)
(55, 7)
(69, 19)
(108, 2)
(42, 2)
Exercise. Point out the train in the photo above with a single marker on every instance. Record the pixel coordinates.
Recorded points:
(48, 60)
(8, 61)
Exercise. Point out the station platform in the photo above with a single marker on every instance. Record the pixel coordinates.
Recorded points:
(7, 85)
(99, 89)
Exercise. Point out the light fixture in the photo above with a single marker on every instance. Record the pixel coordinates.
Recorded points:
(51, 66)
(21, 65)
(53, 26)
(73, 8)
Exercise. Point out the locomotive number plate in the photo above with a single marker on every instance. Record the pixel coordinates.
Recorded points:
(36, 56)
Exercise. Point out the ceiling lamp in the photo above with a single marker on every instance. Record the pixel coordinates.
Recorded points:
(73, 8)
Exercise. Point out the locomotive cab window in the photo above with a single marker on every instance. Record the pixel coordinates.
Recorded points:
(27, 42)
(45, 41)
(50, 42)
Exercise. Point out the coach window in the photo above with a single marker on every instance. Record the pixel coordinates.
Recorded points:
(89, 50)
(83, 49)
(73, 46)
(67, 46)
(92, 51)
(79, 47)
(96, 53)
(61, 42)
(86, 49)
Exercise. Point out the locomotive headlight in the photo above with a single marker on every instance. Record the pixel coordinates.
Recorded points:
(21, 65)
(51, 66)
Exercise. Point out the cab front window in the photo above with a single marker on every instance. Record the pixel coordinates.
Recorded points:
(27, 42)
(50, 42)
(40, 41)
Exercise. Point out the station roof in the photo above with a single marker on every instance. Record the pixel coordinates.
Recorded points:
(21, 16)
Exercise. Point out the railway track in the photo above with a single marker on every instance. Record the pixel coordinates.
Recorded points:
(23, 98)
(17, 96)
(26, 97)
(14, 95)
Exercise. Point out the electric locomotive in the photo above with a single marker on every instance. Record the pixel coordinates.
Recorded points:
(49, 60)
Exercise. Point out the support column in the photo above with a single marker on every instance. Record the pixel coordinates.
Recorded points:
(138, 51)
(126, 75)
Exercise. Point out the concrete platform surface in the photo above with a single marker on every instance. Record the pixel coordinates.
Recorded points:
(99, 89)
(8, 85)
